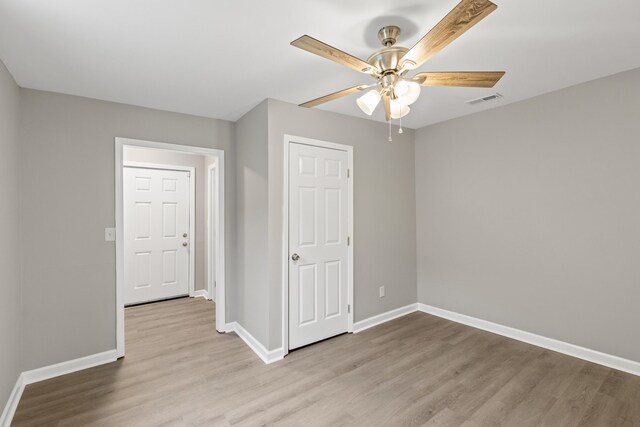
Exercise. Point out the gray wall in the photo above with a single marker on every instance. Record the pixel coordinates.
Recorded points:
(10, 324)
(384, 207)
(175, 158)
(68, 190)
(251, 289)
(529, 215)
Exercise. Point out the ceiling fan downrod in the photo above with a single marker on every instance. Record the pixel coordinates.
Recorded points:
(388, 35)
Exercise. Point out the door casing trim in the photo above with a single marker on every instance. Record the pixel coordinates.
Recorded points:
(216, 251)
(288, 140)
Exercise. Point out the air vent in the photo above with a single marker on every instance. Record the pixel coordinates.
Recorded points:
(484, 99)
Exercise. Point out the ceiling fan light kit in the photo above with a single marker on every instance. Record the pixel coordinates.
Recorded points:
(408, 91)
(390, 65)
(369, 101)
(399, 109)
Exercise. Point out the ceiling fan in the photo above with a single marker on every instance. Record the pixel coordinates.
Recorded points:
(389, 66)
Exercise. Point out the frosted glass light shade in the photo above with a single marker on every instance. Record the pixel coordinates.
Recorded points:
(399, 108)
(369, 101)
(407, 91)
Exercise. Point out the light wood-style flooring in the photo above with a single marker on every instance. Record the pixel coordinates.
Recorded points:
(413, 371)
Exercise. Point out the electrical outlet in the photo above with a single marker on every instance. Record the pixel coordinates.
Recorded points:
(381, 291)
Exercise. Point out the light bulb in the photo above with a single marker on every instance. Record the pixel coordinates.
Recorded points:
(407, 91)
(399, 108)
(401, 88)
(369, 101)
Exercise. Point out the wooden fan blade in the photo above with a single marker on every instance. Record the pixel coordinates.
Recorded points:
(387, 107)
(334, 95)
(329, 52)
(464, 16)
(459, 79)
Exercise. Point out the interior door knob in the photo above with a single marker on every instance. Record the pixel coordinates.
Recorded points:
(184, 243)
(295, 257)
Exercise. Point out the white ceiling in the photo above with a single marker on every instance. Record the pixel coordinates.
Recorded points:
(219, 58)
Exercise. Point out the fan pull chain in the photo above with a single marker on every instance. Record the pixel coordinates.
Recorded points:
(390, 139)
(400, 131)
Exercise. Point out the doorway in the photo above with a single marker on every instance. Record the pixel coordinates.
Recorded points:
(169, 226)
(318, 241)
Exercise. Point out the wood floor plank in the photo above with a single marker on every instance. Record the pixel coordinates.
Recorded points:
(415, 370)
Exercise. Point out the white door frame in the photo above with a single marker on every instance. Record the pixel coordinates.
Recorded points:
(288, 140)
(214, 249)
(192, 211)
(221, 325)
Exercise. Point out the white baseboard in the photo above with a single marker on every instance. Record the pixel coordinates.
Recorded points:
(228, 327)
(384, 317)
(69, 366)
(583, 353)
(47, 372)
(12, 403)
(201, 293)
(267, 356)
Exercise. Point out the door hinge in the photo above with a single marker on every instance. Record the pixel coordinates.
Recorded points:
(348, 240)
(349, 308)
(348, 173)
(188, 173)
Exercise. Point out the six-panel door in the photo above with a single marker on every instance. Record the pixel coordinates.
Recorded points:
(318, 215)
(156, 240)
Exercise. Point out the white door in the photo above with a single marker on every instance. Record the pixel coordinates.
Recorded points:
(156, 239)
(318, 227)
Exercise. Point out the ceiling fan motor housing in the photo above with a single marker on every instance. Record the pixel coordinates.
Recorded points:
(388, 58)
